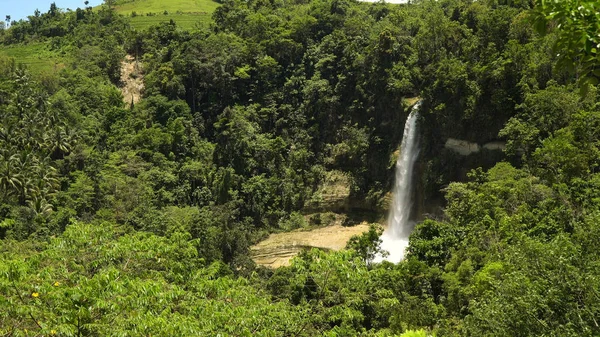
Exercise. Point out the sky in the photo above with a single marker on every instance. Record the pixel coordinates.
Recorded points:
(20, 9)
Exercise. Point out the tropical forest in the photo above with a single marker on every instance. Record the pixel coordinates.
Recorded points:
(301, 168)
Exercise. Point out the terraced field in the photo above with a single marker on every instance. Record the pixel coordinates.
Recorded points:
(184, 21)
(36, 56)
(186, 13)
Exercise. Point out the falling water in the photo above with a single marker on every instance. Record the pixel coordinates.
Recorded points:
(395, 237)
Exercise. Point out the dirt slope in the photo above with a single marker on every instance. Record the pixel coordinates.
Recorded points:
(132, 80)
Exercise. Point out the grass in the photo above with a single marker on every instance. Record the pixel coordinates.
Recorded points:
(36, 56)
(186, 13)
(185, 21)
(159, 6)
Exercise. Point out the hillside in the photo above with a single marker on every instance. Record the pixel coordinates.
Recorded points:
(166, 182)
(186, 13)
(38, 57)
(43, 57)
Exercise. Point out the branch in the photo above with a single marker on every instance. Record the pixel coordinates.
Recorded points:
(23, 301)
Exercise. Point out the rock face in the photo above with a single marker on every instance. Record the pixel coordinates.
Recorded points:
(500, 146)
(132, 79)
(466, 148)
(461, 147)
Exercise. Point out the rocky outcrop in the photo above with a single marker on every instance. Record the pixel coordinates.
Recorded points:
(132, 80)
(493, 146)
(279, 248)
(461, 147)
(466, 148)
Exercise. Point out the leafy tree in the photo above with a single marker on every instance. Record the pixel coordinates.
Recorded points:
(577, 39)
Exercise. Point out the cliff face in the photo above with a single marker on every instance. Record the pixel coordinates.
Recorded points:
(449, 160)
(465, 148)
(461, 147)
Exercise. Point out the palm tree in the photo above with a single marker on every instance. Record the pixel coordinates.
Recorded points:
(40, 207)
(26, 164)
(47, 177)
(8, 130)
(10, 177)
(60, 142)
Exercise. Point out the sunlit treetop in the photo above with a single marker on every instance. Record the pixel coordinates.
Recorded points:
(578, 25)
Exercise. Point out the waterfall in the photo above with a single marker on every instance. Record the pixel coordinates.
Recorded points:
(395, 237)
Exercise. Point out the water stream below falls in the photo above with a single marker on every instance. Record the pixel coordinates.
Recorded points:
(395, 237)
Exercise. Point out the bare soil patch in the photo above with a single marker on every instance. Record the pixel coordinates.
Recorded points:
(278, 249)
(132, 80)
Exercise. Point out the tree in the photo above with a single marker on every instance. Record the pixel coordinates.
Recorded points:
(53, 9)
(578, 42)
(367, 245)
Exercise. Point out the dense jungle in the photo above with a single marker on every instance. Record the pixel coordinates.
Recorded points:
(133, 212)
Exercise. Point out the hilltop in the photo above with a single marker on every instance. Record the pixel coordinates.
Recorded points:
(41, 56)
(186, 13)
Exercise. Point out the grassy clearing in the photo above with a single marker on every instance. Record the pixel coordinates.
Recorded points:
(35, 56)
(159, 6)
(184, 21)
(186, 13)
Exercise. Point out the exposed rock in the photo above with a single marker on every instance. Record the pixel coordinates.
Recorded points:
(132, 80)
(461, 147)
(332, 194)
(412, 100)
(278, 249)
(466, 148)
(492, 146)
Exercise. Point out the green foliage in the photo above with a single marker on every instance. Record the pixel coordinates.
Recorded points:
(119, 219)
(367, 245)
(433, 242)
(97, 280)
(172, 6)
(413, 333)
(185, 21)
(577, 40)
(35, 56)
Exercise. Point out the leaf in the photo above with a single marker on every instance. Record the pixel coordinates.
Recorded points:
(584, 88)
(7, 223)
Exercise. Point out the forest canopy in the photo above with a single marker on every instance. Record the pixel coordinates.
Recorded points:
(122, 217)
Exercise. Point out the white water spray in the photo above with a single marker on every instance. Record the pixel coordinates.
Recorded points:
(395, 237)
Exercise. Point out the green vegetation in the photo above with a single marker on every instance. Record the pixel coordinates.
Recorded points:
(186, 21)
(186, 13)
(159, 6)
(578, 42)
(136, 219)
(36, 56)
